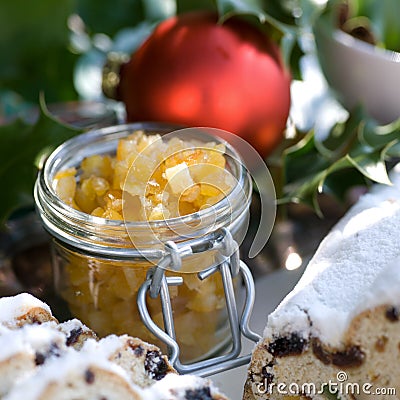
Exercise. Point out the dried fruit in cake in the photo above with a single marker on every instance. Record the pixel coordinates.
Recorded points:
(341, 322)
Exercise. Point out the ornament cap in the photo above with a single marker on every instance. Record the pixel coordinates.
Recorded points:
(111, 74)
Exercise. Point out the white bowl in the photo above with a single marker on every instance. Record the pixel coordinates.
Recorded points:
(360, 73)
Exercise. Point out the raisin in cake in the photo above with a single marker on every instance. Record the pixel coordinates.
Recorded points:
(183, 387)
(144, 362)
(341, 321)
(42, 359)
(76, 333)
(24, 349)
(73, 377)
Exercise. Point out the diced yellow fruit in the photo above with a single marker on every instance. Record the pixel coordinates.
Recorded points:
(64, 173)
(186, 208)
(86, 203)
(98, 212)
(179, 178)
(65, 188)
(158, 213)
(113, 200)
(206, 300)
(141, 169)
(118, 286)
(166, 176)
(96, 165)
(126, 147)
(154, 180)
(209, 190)
(112, 214)
(191, 194)
(100, 185)
(135, 277)
(99, 322)
(119, 176)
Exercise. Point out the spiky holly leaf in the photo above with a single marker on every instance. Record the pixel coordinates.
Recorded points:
(311, 166)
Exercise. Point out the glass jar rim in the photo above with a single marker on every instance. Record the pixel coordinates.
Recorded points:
(56, 214)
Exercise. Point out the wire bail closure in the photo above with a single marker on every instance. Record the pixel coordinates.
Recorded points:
(157, 285)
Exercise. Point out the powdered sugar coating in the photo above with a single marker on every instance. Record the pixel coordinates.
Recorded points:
(72, 324)
(385, 291)
(14, 307)
(58, 369)
(176, 387)
(29, 339)
(106, 346)
(343, 269)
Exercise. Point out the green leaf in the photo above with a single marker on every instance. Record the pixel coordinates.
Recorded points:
(191, 5)
(309, 11)
(392, 150)
(372, 166)
(159, 9)
(34, 48)
(378, 136)
(230, 8)
(20, 145)
(354, 153)
(309, 190)
(104, 16)
(303, 160)
(340, 182)
(285, 33)
(342, 136)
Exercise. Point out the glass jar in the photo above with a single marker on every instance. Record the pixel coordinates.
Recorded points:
(99, 264)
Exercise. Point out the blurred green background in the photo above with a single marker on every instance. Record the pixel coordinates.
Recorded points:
(58, 48)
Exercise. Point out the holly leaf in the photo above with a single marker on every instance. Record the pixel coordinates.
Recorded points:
(20, 145)
(392, 150)
(303, 160)
(34, 47)
(356, 150)
(377, 136)
(230, 8)
(285, 33)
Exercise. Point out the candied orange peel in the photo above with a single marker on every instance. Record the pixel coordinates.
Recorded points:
(164, 178)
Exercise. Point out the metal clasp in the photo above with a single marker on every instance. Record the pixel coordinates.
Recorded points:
(157, 285)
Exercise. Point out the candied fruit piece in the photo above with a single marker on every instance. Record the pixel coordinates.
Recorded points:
(179, 178)
(64, 174)
(126, 147)
(207, 299)
(186, 208)
(169, 179)
(119, 176)
(210, 190)
(147, 179)
(85, 196)
(113, 200)
(65, 185)
(98, 212)
(109, 213)
(158, 212)
(96, 165)
(191, 194)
